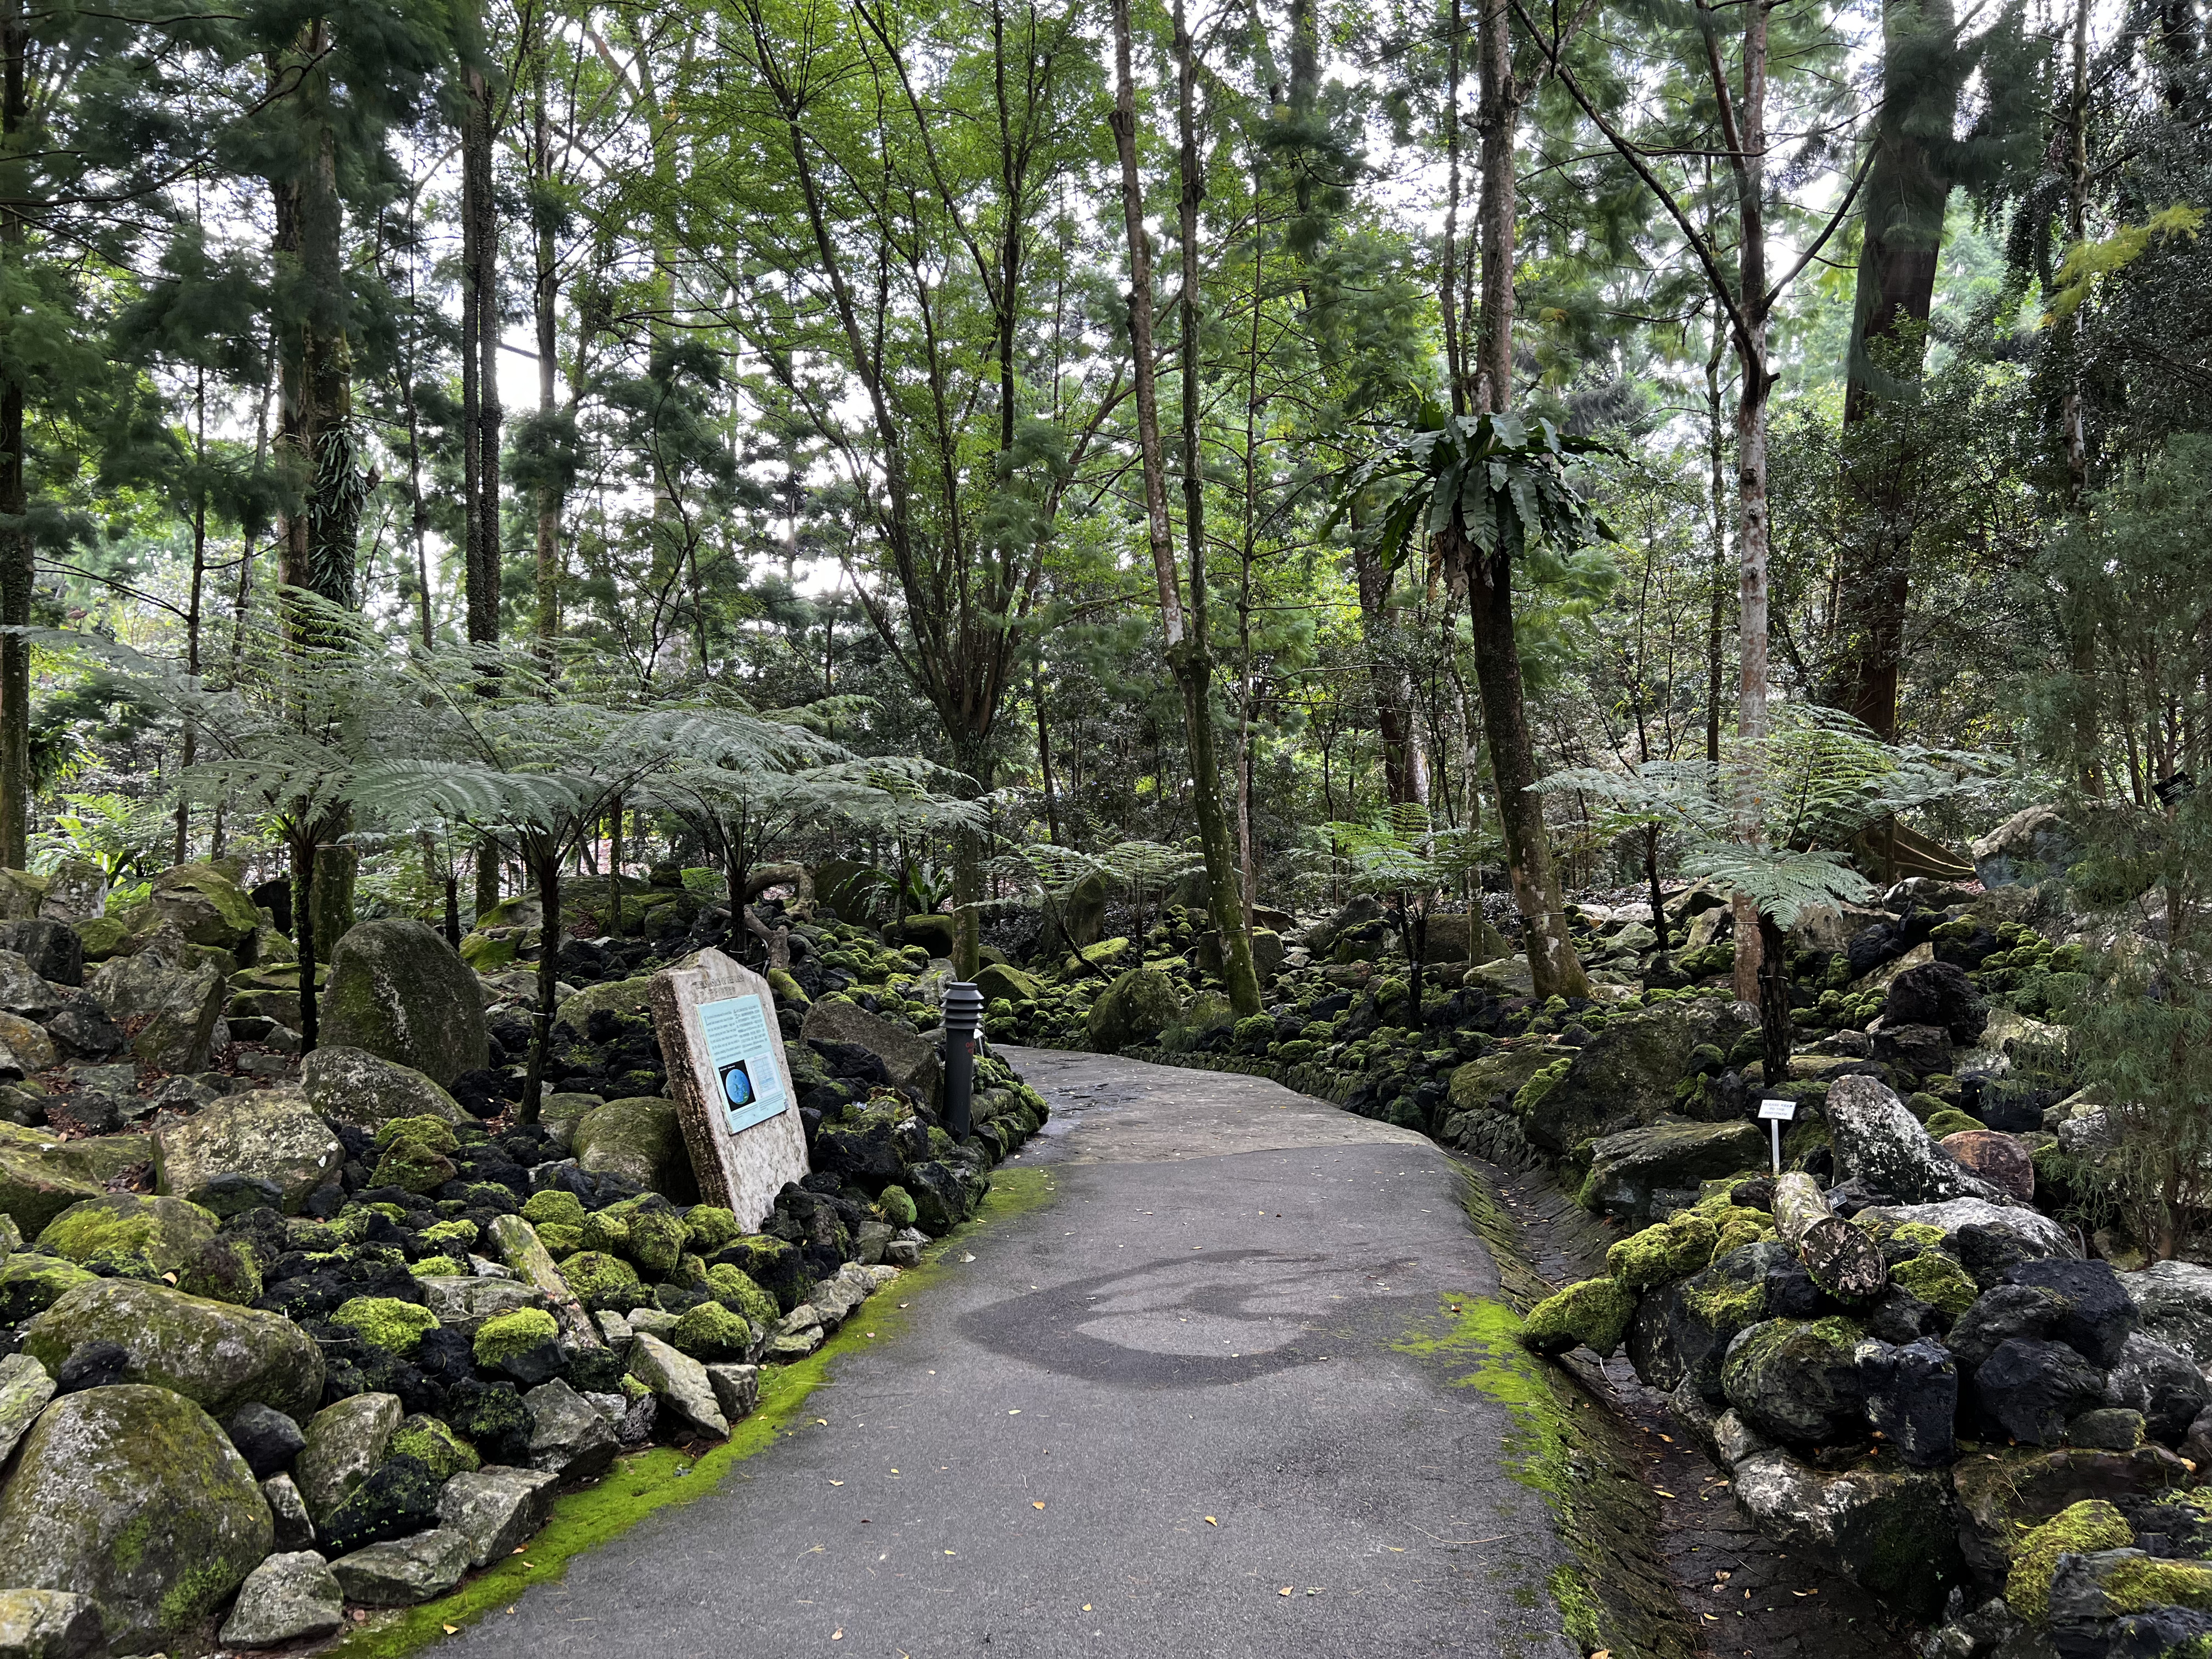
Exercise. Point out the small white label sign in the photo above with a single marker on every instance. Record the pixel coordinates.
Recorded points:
(1786, 1110)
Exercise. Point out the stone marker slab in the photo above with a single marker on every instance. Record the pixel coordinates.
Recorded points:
(717, 1026)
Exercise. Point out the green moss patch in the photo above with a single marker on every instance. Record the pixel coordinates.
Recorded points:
(386, 1322)
(503, 1336)
(2077, 1529)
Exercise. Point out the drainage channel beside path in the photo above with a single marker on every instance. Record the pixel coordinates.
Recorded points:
(1209, 1400)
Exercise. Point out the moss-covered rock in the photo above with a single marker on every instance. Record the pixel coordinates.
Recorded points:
(268, 1135)
(1666, 1251)
(206, 906)
(1135, 1008)
(657, 1235)
(735, 1290)
(345, 1442)
(1494, 1080)
(1627, 1074)
(1797, 1381)
(31, 1284)
(353, 1086)
(594, 1273)
(712, 1332)
(211, 1352)
(629, 1001)
(898, 1205)
(433, 1444)
(398, 990)
(1938, 1280)
(708, 1227)
(507, 1335)
(1632, 1173)
(133, 1496)
(121, 1235)
(563, 1209)
(640, 1139)
(415, 1155)
(386, 1322)
(1951, 1122)
(1593, 1315)
(36, 1184)
(2078, 1529)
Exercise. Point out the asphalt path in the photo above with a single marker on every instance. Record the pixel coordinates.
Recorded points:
(1166, 1414)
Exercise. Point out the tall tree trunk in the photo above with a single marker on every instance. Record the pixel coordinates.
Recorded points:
(318, 551)
(545, 289)
(1715, 455)
(17, 557)
(189, 748)
(480, 411)
(1903, 237)
(1185, 648)
(1045, 754)
(1553, 966)
(1405, 765)
(1745, 127)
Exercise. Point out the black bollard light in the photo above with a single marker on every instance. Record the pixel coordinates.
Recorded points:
(964, 1015)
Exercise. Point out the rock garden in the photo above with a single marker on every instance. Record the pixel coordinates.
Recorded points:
(287, 1340)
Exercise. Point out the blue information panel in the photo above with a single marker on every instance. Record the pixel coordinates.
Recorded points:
(741, 1044)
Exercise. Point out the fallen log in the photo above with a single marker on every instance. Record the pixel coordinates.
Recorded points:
(518, 1247)
(1840, 1258)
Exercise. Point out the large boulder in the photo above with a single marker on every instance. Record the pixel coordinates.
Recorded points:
(76, 891)
(1494, 1079)
(1640, 1173)
(1999, 1159)
(37, 1183)
(1876, 1139)
(909, 1060)
(497, 1509)
(53, 949)
(346, 1442)
(214, 1354)
(2093, 1313)
(353, 1086)
(1891, 1530)
(156, 1239)
(2161, 1382)
(132, 1496)
(2034, 844)
(2031, 1232)
(1627, 1074)
(289, 1598)
(680, 1382)
(999, 981)
(569, 1436)
(1937, 993)
(405, 1571)
(640, 1139)
(176, 1007)
(1711, 1308)
(1135, 1008)
(397, 990)
(2030, 1390)
(206, 906)
(1797, 1381)
(25, 991)
(1912, 1399)
(2004, 1491)
(270, 1135)
(25, 1388)
(2173, 1300)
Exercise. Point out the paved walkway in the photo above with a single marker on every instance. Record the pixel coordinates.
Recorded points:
(1136, 1418)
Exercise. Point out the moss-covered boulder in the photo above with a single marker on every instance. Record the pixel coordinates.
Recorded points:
(30, 1284)
(172, 1004)
(629, 1001)
(353, 1086)
(1593, 1314)
(712, 1332)
(163, 1240)
(1710, 1308)
(1670, 1249)
(214, 1354)
(640, 1139)
(37, 1184)
(398, 990)
(1797, 1381)
(346, 1441)
(1135, 1008)
(594, 1275)
(513, 1336)
(997, 979)
(435, 1446)
(1644, 1171)
(1938, 1280)
(206, 906)
(2078, 1529)
(1626, 1076)
(736, 1290)
(270, 1135)
(910, 1060)
(133, 1496)
(554, 1206)
(1496, 1078)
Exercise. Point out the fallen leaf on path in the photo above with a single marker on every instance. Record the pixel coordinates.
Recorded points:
(1662, 1491)
(1036, 1506)
(449, 1629)
(1211, 1522)
(837, 1483)
(1286, 1591)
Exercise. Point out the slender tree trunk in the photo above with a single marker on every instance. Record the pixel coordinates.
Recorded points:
(1553, 966)
(545, 289)
(1405, 766)
(547, 858)
(480, 409)
(1748, 160)
(304, 852)
(1716, 454)
(1186, 650)
(17, 557)
(190, 745)
(1045, 754)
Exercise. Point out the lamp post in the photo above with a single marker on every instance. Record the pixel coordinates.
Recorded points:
(964, 1015)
